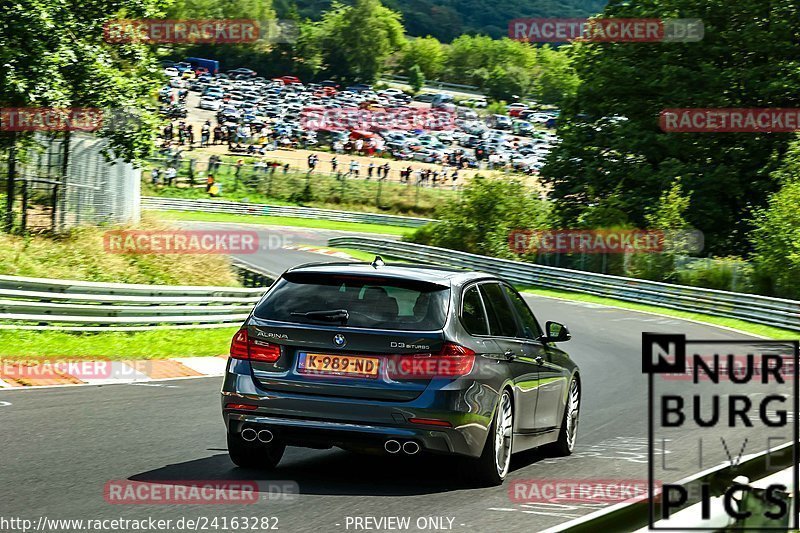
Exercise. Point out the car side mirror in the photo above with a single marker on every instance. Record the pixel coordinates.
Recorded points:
(556, 332)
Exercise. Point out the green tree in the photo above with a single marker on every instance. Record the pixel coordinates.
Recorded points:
(610, 129)
(55, 55)
(354, 43)
(668, 217)
(416, 78)
(555, 78)
(490, 209)
(509, 83)
(427, 53)
(776, 237)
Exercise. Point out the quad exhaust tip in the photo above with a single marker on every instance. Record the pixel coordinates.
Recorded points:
(249, 434)
(392, 446)
(265, 436)
(411, 447)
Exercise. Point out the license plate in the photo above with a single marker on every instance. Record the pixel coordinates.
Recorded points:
(338, 365)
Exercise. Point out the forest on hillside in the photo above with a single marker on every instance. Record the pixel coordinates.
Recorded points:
(447, 19)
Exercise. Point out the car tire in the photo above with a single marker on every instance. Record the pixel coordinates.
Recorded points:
(565, 444)
(254, 456)
(493, 465)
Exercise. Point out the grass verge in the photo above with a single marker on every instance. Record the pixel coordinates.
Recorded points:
(741, 325)
(161, 344)
(285, 221)
(81, 254)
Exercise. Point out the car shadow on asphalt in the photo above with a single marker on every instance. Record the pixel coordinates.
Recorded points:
(338, 472)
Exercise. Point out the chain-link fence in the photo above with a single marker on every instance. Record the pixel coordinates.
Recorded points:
(65, 181)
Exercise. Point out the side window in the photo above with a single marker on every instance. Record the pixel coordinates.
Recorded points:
(501, 317)
(472, 315)
(529, 323)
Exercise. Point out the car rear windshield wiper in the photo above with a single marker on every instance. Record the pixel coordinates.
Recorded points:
(330, 315)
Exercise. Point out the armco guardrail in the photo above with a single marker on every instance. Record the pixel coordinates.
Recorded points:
(156, 203)
(749, 307)
(44, 304)
(252, 275)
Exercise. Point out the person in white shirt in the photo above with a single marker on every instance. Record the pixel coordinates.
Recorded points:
(171, 175)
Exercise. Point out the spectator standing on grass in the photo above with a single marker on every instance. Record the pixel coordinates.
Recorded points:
(181, 132)
(215, 189)
(285, 169)
(310, 163)
(171, 175)
(241, 133)
(209, 183)
(354, 168)
(168, 132)
(190, 136)
(155, 175)
(386, 168)
(370, 169)
(217, 134)
(205, 133)
(263, 134)
(230, 134)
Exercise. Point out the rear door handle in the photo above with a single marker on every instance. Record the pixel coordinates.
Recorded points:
(510, 355)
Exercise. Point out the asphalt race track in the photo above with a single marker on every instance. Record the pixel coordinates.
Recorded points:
(62, 445)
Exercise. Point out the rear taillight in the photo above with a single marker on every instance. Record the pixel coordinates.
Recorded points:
(243, 347)
(431, 422)
(453, 360)
(241, 406)
(239, 345)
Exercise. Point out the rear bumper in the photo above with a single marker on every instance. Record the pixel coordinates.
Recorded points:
(318, 421)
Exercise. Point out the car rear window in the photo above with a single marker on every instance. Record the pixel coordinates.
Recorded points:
(370, 302)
